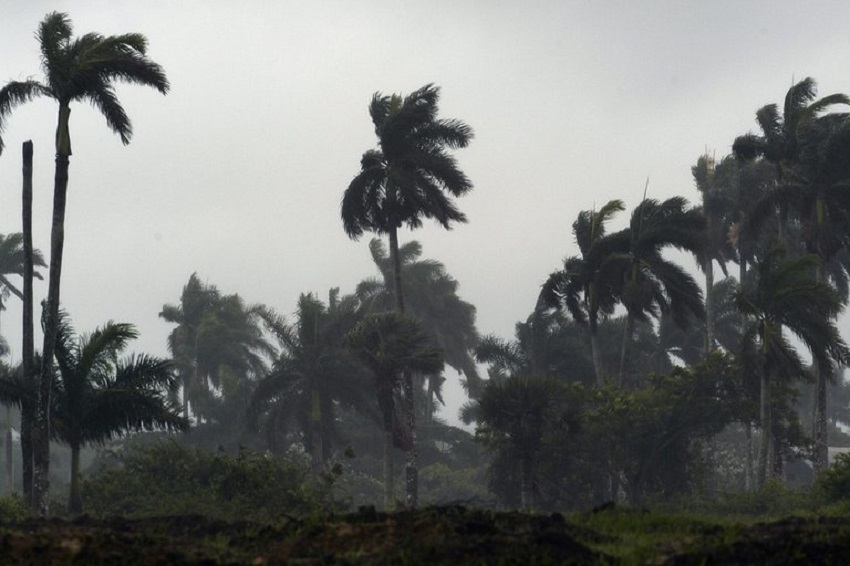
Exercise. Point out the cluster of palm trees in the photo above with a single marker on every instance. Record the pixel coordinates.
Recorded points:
(780, 208)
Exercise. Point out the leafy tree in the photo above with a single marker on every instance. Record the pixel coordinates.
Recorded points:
(313, 374)
(390, 344)
(784, 294)
(410, 177)
(587, 286)
(84, 68)
(98, 396)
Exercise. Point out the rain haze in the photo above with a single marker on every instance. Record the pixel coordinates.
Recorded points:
(237, 174)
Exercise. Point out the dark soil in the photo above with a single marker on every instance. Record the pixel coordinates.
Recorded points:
(445, 535)
(448, 535)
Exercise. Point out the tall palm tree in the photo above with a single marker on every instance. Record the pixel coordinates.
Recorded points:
(819, 191)
(587, 286)
(84, 68)
(785, 294)
(313, 373)
(390, 344)
(651, 283)
(431, 296)
(410, 177)
(98, 396)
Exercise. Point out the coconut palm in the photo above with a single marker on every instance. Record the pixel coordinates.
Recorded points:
(313, 374)
(390, 344)
(431, 296)
(410, 177)
(783, 293)
(587, 286)
(98, 396)
(652, 284)
(84, 68)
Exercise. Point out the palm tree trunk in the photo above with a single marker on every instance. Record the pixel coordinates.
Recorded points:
(526, 483)
(709, 305)
(748, 458)
(819, 432)
(628, 332)
(75, 499)
(28, 333)
(389, 471)
(27, 452)
(411, 467)
(317, 456)
(41, 439)
(594, 352)
(766, 424)
(10, 468)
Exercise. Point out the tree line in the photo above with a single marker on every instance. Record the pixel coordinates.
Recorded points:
(615, 384)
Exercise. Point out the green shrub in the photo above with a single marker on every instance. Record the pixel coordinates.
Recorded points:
(12, 509)
(834, 482)
(167, 478)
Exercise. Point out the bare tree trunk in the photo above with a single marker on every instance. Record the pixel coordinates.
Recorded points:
(628, 332)
(10, 468)
(75, 498)
(709, 305)
(41, 438)
(748, 459)
(317, 456)
(28, 334)
(765, 423)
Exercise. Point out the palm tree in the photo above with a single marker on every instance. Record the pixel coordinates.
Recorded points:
(652, 284)
(519, 408)
(778, 142)
(313, 374)
(410, 177)
(12, 263)
(98, 396)
(717, 209)
(819, 189)
(587, 286)
(784, 294)
(431, 296)
(390, 344)
(76, 69)
(215, 333)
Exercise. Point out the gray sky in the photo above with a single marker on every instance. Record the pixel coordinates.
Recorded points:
(238, 173)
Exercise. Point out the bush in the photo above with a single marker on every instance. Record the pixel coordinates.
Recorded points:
(13, 509)
(167, 478)
(834, 482)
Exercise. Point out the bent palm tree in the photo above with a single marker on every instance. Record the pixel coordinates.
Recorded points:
(587, 286)
(84, 68)
(412, 176)
(652, 284)
(98, 396)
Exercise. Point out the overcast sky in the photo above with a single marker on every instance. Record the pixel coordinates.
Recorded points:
(237, 174)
